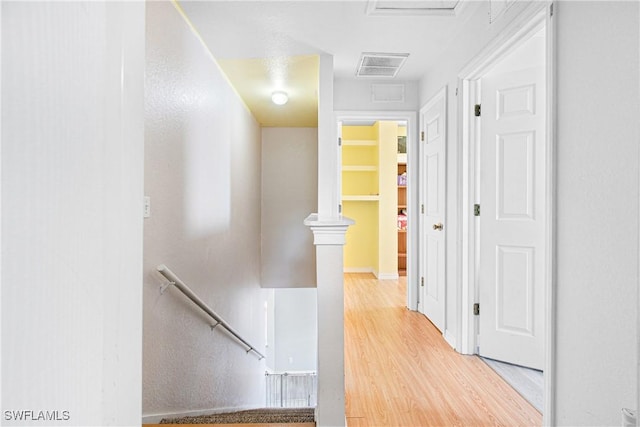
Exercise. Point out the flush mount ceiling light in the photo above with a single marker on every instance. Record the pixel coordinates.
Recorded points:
(380, 64)
(279, 97)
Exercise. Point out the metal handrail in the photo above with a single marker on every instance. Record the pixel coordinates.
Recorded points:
(175, 280)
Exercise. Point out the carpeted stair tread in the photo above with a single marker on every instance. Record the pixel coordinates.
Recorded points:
(251, 416)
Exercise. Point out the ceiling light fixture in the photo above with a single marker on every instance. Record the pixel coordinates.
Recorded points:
(279, 97)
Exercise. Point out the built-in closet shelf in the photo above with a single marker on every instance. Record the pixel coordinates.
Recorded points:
(359, 142)
(359, 168)
(402, 232)
(360, 198)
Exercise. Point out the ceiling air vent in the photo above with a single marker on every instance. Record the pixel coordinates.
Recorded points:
(380, 64)
(416, 7)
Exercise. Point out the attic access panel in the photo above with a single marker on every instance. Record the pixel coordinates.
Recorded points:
(413, 7)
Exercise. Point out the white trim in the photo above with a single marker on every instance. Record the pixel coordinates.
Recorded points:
(359, 142)
(388, 276)
(549, 415)
(450, 338)
(156, 418)
(371, 270)
(360, 198)
(412, 206)
(534, 17)
(138, 382)
(359, 270)
(328, 232)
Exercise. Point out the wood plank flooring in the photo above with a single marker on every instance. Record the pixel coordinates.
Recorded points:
(401, 372)
(234, 425)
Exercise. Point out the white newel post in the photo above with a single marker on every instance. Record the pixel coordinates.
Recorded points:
(329, 238)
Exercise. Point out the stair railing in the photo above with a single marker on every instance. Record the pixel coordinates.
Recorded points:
(175, 280)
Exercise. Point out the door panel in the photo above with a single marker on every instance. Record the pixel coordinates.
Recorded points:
(516, 175)
(432, 239)
(432, 204)
(514, 291)
(433, 273)
(512, 223)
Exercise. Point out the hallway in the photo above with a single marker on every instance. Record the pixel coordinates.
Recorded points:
(399, 371)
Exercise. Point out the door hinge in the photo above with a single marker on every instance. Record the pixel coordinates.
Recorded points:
(476, 309)
(422, 208)
(340, 208)
(476, 210)
(551, 10)
(422, 136)
(456, 91)
(339, 142)
(422, 281)
(477, 110)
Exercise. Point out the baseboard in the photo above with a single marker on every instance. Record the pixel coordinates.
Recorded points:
(450, 338)
(155, 419)
(359, 270)
(387, 276)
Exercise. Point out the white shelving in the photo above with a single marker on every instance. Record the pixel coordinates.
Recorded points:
(359, 168)
(359, 142)
(360, 198)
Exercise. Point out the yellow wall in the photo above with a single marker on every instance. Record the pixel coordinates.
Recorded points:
(361, 250)
(388, 205)
(372, 242)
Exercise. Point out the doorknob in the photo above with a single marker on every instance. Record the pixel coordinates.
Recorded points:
(438, 226)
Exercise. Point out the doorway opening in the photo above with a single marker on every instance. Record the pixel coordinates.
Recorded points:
(378, 188)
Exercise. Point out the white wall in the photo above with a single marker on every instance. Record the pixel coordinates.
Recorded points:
(72, 165)
(289, 194)
(295, 319)
(356, 95)
(597, 215)
(597, 210)
(202, 172)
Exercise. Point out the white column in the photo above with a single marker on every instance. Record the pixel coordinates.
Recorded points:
(328, 168)
(329, 238)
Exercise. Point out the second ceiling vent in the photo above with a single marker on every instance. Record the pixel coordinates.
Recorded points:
(380, 64)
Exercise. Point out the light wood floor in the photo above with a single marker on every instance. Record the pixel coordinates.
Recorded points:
(401, 372)
(234, 425)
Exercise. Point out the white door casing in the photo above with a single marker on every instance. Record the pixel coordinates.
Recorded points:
(512, 223)
(433, 125)
(535, 15)
(412, 194)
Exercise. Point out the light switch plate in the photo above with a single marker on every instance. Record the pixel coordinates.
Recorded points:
(147, 207)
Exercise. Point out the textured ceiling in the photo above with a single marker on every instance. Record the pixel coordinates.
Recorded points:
(249, 37)
(256, 79)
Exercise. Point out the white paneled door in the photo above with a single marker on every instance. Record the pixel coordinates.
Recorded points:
(433, 125)
(513, 201)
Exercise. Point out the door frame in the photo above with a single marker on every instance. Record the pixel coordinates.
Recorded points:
(412, 177)
(534, 17)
